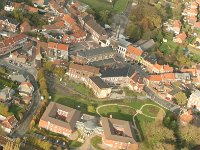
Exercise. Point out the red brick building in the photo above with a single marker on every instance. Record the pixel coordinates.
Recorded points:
(59, 119)
(118, 134)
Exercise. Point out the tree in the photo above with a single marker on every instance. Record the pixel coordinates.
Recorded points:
(60, 71)
(2, 70)
(181, 98)
(4, 110)
(191, 135)
(104, 15)
(91, 109)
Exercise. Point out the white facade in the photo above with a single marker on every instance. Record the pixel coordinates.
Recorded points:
(8, 8)
(194, 100)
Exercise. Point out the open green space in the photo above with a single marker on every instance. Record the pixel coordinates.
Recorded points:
(169, 47)
(150, 110)
(95, 141)
(118, 112)
(99, 5)
(6, 82)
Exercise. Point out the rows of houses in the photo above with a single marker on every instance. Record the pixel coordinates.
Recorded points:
(65, 120)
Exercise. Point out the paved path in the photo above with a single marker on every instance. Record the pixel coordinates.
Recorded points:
(138, 111)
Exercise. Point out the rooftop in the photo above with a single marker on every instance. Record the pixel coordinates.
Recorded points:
(99, 82)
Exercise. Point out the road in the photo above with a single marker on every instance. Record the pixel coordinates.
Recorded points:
(168, 105)
(24, 123)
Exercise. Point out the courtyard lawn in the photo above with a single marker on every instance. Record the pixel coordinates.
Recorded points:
(120, 5)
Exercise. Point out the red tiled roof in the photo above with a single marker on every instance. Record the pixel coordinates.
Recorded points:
(155, 78)
(58, 46)
(197, 25)
(67, 18)
(169, 76)
(157, 66)
(136, 51)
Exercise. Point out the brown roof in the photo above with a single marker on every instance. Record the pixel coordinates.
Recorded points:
(10, 122)
(72, 116)
(109, 125)
(84, 68)
(96, 27)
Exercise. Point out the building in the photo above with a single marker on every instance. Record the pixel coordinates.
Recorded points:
(194, 100)
(98, 86)
(89, 24)
(9, 24)
(81, 72)
(93, 55)
(10, 44)
(122, 47)
(59, 119)
(26, 89)
(56, 7)
(176, 27)
(9, 124)
(180, 38)
(6, 94)
(133, 53)
(118, 134)
(57, 51)
(25, 26)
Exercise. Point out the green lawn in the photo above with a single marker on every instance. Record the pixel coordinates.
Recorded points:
(170, 46)
(150, 110)
(99, 5)
(118, 112)
(75, 144)
(95, 141)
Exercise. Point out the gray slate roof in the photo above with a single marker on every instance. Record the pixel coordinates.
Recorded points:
(99, 82)
(96, 51)
(11, 20)
(119, 72)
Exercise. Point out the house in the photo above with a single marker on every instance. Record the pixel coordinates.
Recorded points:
(197, 25)
(9, 24)
(6, 94)
(81, 72)
(9, 124)
(12, 43)
(133, 53)
(118, 134)
(59, 119)
(89, 24)
(98, 86)
(9, 8)
(124, 77)
(57, 51)
(148, 60)
(93, 55)
(69, 21)
(156, 68)
(56, 7)
(26, 89)
(176, 26)
(194, 100)
(180, 38)
(25, 26)
(31, 9)
(186, 117)
(122, 47)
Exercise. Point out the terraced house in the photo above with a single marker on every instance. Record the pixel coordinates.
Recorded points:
(8, 24)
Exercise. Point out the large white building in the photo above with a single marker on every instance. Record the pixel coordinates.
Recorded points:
(194, 100)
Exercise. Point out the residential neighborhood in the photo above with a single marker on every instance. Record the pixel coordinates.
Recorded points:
(99, 74)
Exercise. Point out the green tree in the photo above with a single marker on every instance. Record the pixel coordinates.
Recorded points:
(2, 70)
(104, 15)
(4, 110)
(181, 98)
(191, 134)
(91, 109)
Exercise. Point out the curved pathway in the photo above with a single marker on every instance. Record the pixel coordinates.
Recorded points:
(138, 111)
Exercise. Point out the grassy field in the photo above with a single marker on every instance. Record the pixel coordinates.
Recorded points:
(99, 5)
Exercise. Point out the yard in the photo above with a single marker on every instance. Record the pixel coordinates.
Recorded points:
(95, 141)
(99, 5)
